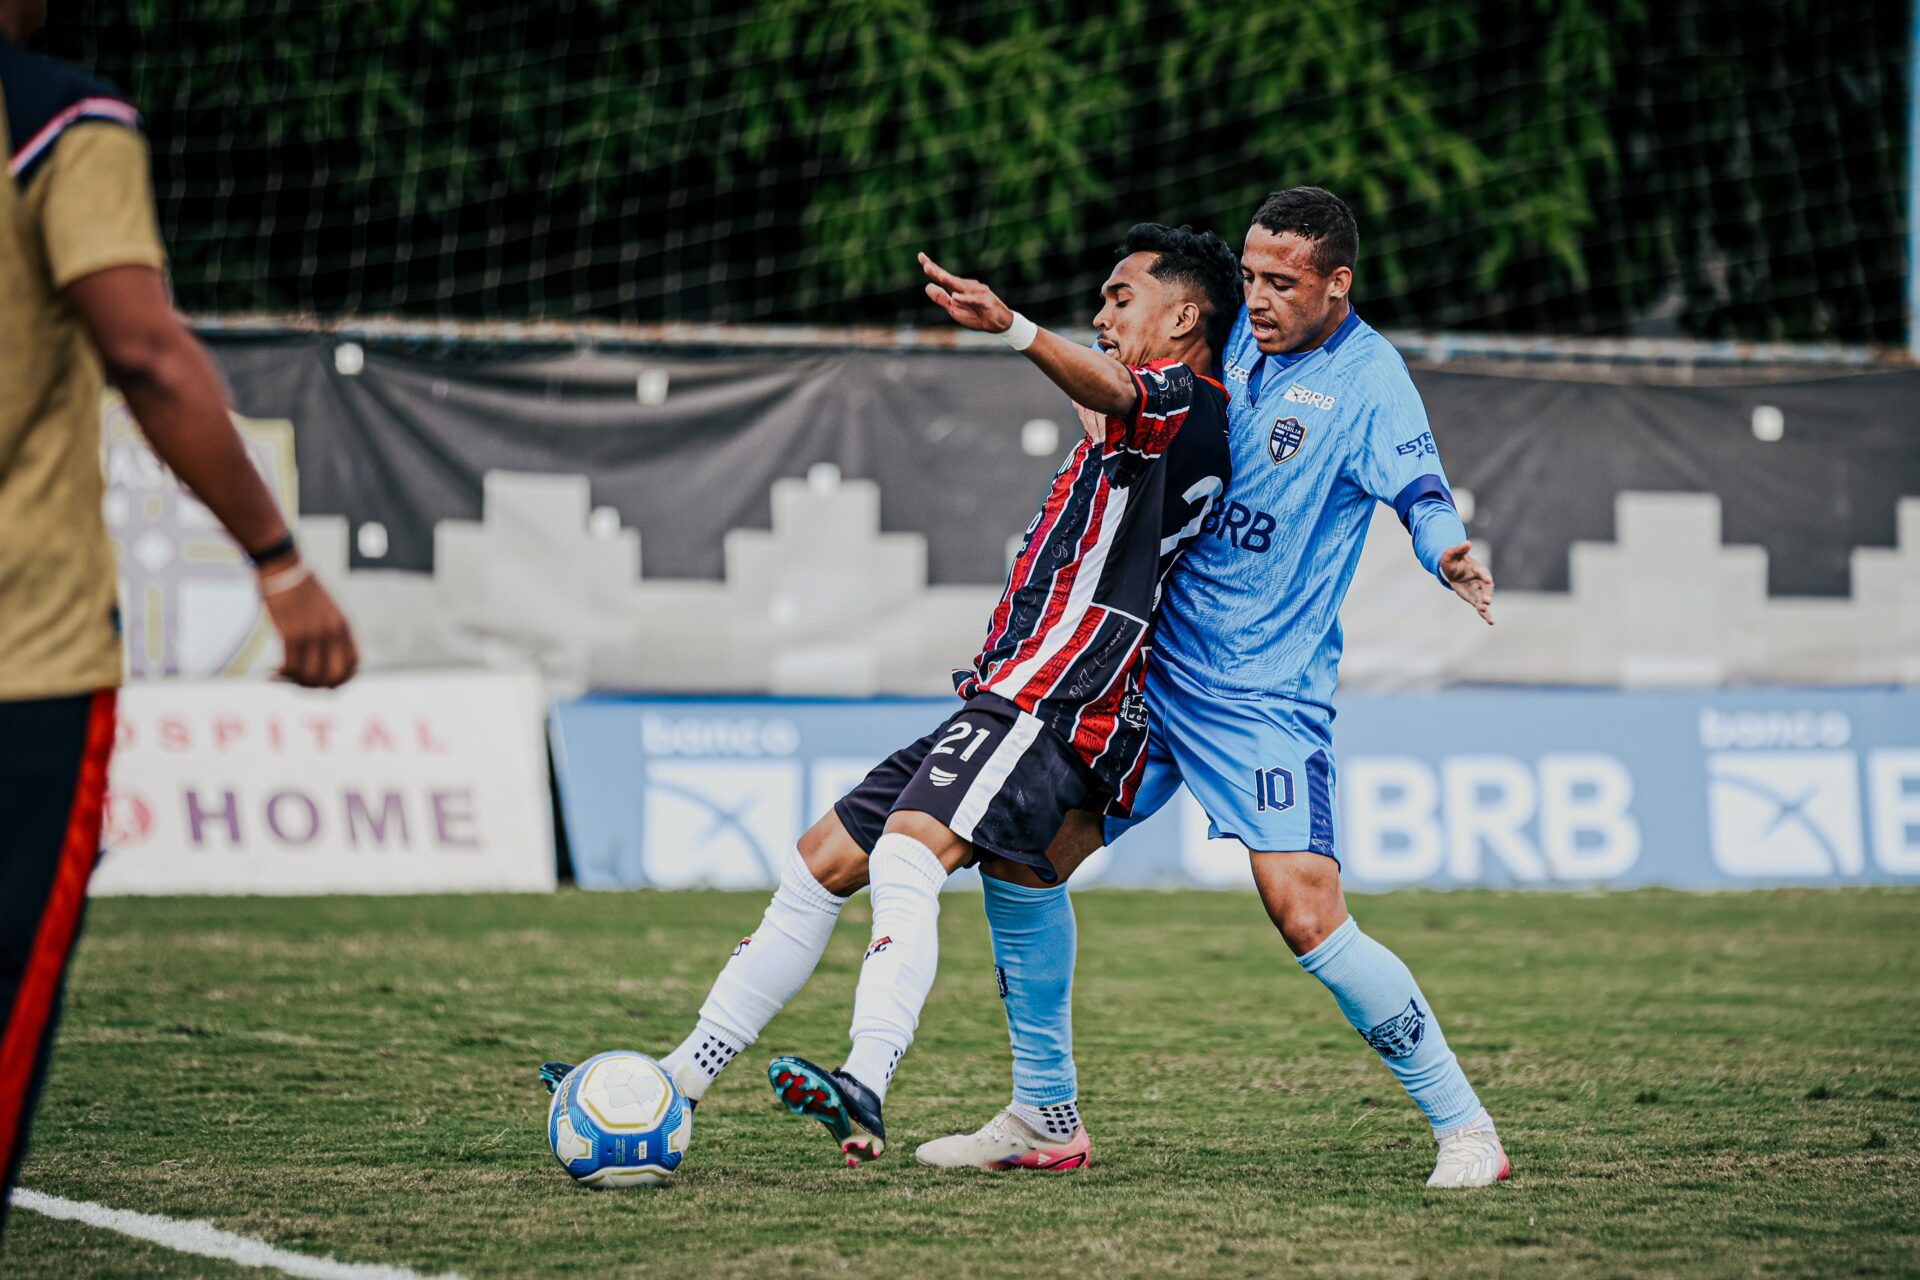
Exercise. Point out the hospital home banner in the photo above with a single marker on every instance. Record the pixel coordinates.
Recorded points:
(422, 783)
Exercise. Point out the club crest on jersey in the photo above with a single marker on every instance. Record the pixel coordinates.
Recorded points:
(1287, 437)
(1400, 1035)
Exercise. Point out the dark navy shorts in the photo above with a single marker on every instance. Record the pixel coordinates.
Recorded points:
(992, 774)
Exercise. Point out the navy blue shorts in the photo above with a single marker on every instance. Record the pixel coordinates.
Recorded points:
(992, 774)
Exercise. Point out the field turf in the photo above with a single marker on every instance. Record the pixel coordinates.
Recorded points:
(1688, 1085)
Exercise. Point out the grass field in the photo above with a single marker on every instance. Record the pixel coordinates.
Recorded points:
(1688, 1085)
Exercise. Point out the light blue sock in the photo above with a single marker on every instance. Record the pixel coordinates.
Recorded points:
(1380, 998)
(1034, 939)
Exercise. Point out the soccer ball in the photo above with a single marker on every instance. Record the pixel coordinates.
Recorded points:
(617, 1120)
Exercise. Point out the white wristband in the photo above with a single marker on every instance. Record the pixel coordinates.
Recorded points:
(1020, 334)
(284, 581)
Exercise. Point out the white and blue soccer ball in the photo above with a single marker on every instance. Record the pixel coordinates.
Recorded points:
(617, 1120)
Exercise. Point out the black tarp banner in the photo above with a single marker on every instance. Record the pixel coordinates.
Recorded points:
(405, 439)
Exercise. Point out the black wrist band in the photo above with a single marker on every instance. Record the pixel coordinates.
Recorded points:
(284, 547)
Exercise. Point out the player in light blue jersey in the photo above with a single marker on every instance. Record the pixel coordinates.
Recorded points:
(1324, 422)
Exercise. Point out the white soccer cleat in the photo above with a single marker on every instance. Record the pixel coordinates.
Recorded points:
(1006, 1142)
(1473, 1158)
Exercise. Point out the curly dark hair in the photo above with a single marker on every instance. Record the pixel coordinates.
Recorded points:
(1316, 215)
(1201, 261)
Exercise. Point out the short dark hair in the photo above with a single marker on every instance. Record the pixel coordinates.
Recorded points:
(1200, 260)
(1316, 215)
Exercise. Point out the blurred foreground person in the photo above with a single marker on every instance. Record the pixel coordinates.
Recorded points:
(82, 295)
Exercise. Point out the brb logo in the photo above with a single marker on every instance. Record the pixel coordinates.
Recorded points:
(1241, 526)
(1565, 817)
(1784, 797)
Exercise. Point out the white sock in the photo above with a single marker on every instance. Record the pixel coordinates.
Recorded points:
(697, 1062)
(768, 969)
(1482, 1123)
(901, 959)
(1056, 1120)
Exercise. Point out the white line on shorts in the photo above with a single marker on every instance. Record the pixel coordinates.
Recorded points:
(208, 1241)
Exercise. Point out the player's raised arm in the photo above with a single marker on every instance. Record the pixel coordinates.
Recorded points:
(1094, 380)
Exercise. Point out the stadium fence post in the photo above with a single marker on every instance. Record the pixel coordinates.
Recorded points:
(1913, 187)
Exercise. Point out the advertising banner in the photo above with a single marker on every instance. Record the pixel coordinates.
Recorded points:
(188, 601)
(1525, 789)
(423, 783)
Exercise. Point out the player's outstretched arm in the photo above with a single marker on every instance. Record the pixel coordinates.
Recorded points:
(1094, 380)
(175, 393)
(1470, 579)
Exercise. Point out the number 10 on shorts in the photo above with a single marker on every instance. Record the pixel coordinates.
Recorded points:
(1273, 789)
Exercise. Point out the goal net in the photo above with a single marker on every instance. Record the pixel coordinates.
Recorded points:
(1692, 168)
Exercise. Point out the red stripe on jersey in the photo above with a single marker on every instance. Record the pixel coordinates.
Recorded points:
(1154, 435)
(1093, 727)
(1062, 588)
(1050, 512)
(1119, 428)
(1130, 785)
(1043, 681)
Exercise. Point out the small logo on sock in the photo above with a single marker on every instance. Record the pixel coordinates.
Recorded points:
(1000, 976)
(878, 945)
(1400, 1035)
(742, 944)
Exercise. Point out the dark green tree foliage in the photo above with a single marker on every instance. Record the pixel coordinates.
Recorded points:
(1701, 167)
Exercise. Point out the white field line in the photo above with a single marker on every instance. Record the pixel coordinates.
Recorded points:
(208, 1241)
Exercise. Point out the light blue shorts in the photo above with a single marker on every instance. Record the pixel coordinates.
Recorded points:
(1262, 769)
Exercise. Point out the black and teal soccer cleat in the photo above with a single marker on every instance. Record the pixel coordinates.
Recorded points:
(552, 1073)
(848, 1109)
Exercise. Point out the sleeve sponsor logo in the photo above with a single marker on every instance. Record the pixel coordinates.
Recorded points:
(1419, 447)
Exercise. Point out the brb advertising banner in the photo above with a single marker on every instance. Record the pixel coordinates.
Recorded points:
(420, 783)
(1522, 789)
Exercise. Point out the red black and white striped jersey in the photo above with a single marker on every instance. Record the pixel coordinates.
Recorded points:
(1069, 641)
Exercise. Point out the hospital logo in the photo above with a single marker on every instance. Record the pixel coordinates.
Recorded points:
(1286, 438)
(190, 605)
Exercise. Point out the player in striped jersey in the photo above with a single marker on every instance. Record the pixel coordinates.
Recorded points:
(1326, 422)
(1054, 717)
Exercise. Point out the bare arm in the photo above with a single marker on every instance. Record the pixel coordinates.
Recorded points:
(1469, 579)
(175, 393)
(1096, 381)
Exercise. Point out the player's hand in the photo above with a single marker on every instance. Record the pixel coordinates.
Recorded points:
(1469, 578)
(1093, 423)
(971, 304)
(318, 643)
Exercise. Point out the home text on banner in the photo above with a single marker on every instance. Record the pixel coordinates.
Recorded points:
(419, 783)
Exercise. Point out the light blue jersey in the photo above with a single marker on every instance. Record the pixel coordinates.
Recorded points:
(1253, 610)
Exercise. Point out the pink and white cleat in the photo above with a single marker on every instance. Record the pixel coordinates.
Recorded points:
(1470, 1158)
(1006, 1142)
